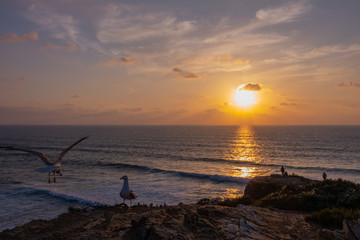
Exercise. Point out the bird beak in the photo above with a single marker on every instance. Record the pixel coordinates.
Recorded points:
(121, 178)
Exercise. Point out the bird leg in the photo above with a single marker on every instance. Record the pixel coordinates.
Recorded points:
(49, 178)
(54, 177)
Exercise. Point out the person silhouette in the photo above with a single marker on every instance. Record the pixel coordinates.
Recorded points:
(282, 171)
(324, 175)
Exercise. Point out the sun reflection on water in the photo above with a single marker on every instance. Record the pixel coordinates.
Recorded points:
(245, 149)
(244, 172)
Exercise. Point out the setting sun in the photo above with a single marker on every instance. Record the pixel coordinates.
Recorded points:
(244, 98)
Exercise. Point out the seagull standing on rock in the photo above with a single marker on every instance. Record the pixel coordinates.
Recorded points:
(125, 192)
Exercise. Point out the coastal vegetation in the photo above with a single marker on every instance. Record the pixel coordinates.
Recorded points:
(314, 196)
(329, 202)
(333, 217)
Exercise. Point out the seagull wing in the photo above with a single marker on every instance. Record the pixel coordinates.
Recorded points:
(58, 160)
(40, 154)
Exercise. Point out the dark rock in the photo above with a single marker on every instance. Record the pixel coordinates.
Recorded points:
(260, 187)
(351, 229)
(326, 234)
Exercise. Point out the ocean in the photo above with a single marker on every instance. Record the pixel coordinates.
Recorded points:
(164, 164)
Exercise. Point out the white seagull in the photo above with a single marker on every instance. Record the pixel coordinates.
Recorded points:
(125, 192)
(54, 167)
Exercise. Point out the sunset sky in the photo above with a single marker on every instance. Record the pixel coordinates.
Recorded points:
(138, 62)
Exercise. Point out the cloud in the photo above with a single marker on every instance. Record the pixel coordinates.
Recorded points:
(17, 79)
(221, 62)
(76, 96)
(13, 37)
(185, 74)
(120, 60)
(288, 104)
(132, 110)
(177, 70)
(229, 37)
(285, 13)
(128, 24)
(191, 75)
(70, 47)
(60, 26)
(329, 50)
(251, 87)
(155, 34)
(348, 84)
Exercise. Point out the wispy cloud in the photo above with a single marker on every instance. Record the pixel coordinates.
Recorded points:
(349, 84)
(16, 79)
(250, 34)
(76, 96)
(62, 27)
(127, 24)
(132, 110)
(13, 37)
(121, 60)
(153, 34)
(184, 74)
(285, 13)
(323, 51)
(212, 63)
(70, 47)
(288, 104)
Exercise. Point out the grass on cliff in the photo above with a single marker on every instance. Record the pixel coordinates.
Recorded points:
(329, 202)
(333, 217)
(229, 202)
(314, 196)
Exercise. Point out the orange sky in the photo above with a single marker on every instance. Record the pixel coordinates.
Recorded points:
(135, 62)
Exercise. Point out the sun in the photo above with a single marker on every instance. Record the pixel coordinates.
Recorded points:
(244, 98)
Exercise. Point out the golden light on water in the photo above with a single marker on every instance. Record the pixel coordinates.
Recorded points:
(245, 149)
(244, 172)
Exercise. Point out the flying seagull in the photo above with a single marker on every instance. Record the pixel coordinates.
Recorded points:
(54, 167)
(125, 192)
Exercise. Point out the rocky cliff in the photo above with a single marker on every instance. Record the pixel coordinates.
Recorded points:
(171, 222)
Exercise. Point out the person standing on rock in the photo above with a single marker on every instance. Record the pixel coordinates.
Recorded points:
(282, 171)
(324, 175)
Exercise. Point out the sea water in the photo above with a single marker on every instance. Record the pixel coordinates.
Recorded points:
(164, 164)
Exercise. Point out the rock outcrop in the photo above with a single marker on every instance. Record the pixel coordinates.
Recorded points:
(262, 186)
(351, 229)
(171, 222)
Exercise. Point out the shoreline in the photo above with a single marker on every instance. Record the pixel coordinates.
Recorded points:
(208, 219)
